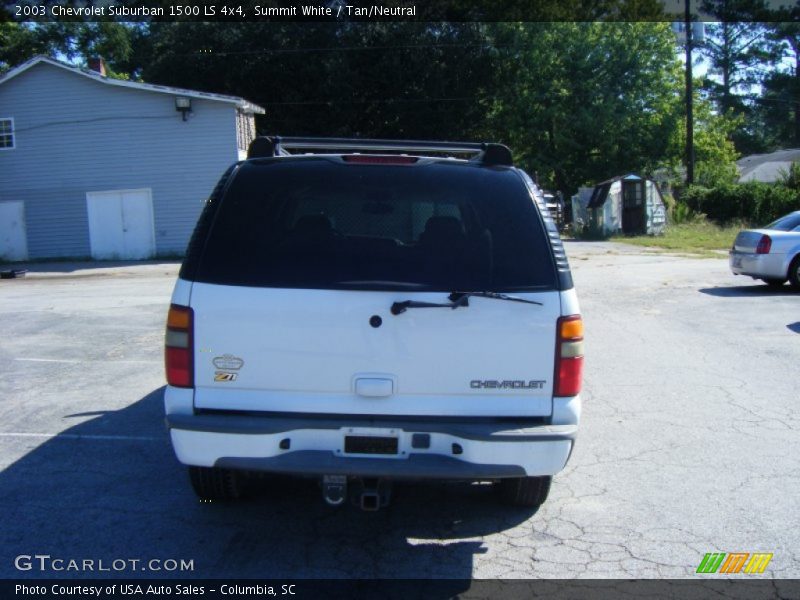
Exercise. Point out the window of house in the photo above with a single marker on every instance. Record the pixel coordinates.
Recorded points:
(6, 134)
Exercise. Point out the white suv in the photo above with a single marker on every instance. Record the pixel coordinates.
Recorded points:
(367, 310)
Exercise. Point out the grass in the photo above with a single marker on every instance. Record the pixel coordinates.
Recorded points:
(699, 237)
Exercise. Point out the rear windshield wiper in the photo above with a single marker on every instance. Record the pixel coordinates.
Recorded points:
(457, 299)
(456, 296)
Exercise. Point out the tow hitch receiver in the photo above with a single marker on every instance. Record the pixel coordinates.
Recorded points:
(370, 494)
(334, 489)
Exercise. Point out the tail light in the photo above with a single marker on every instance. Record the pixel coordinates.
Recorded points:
(178, 354)
(569, 356)
(764, 245)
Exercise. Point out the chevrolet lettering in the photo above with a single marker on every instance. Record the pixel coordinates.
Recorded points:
(517, 384)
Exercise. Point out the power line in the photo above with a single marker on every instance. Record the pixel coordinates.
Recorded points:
(262, 51)
(95, 120)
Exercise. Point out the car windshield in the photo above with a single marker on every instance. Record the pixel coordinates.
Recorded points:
(787, 223)
(321, 223)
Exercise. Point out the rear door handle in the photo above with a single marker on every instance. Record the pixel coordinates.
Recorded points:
(374, 388)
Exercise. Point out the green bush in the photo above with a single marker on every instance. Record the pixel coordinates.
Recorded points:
(694, 196)
(774, 205)
(681, 213)
(753, 201)
(791, 178)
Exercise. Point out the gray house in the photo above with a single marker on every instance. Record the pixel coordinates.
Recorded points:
(101, 167)
(767, 168)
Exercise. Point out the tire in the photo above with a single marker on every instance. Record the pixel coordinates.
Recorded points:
(774, 283)
(525, 491)
(794, 273)
(213, 484)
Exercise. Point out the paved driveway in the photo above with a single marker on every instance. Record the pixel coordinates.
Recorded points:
(689, 444)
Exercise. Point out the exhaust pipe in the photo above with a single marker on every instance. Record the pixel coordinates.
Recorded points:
(370, 501)
(334, 489)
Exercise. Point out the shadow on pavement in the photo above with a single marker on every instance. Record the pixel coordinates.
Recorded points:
(110, 488)
(68, 266)
(748, 291)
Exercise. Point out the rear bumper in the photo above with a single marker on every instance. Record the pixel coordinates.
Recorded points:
(455, 449)
(770, 266)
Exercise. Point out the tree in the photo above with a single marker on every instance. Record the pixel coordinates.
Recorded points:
(582, 102)
(736, 47)
(736, 52)
(416, 80)
(106, 39)
(577, 102)
(740, 55)
(715, 153)
(781, 98)
(386, 79)
(71, 40)
(19, 42)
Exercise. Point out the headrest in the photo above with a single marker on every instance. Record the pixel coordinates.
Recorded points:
(443, 227)
(313, 225)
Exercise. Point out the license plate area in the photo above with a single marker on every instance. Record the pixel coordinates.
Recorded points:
(370, 444)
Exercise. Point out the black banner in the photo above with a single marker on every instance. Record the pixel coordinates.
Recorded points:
(211, 589)
(385, 10)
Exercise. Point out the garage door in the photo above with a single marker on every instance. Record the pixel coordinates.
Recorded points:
(121, 224)
(13, 239)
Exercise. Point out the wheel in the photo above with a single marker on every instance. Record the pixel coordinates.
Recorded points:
(774, 283)
(525, 491)
(211, 483)
(794, 273)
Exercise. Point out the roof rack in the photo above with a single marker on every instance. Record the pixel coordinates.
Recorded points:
(482, 152)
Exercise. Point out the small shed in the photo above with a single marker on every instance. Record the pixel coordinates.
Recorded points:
(627, 204)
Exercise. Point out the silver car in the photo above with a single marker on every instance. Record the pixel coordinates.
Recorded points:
(771, 253)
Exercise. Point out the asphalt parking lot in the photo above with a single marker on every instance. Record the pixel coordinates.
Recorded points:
(689, 442)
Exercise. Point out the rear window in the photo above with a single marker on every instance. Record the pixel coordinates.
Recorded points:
(325, 224)
(787, 223)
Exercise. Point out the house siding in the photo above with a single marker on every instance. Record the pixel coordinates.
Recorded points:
(75, 135)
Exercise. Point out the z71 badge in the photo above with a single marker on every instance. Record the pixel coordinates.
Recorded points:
(222, 376)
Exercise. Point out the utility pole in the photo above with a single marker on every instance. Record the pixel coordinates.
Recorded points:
(689, 116)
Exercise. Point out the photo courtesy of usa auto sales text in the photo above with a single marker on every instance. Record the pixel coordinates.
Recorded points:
(99, 591)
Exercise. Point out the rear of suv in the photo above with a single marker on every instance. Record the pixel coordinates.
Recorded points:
(362, 311)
